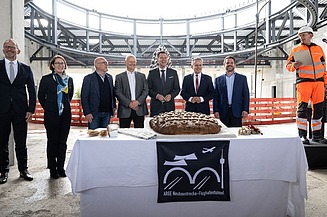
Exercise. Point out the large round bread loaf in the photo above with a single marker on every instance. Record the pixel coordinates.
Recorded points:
(174, 123)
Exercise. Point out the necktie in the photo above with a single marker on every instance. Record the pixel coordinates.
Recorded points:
(163, 79)
(196, 83)
(11, 71)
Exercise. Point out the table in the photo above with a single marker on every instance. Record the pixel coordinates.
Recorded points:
(118, 178)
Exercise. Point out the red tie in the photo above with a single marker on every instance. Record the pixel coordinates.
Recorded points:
(196, 83)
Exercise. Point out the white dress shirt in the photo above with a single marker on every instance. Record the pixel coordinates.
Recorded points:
(132, 84)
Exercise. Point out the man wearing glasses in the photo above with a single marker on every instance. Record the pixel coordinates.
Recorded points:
(97, 95)
(16, 108)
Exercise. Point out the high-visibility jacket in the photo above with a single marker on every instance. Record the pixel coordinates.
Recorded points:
(314, 72)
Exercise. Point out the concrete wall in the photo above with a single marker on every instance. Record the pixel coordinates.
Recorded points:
(12, 23)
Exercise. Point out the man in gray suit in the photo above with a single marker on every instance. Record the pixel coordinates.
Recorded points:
(131, 90)
(97, 95)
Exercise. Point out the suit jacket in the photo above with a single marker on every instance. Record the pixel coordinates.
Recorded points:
(90, 94)
(123, 94)
(205, 90)
(240, 96)
(47, 93)
(156, 87)
(15, 94)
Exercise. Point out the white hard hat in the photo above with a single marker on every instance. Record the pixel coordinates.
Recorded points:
(305, 29)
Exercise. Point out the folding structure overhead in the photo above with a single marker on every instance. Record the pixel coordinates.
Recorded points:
(90, 33)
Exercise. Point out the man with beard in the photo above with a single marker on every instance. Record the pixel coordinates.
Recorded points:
(232, 98)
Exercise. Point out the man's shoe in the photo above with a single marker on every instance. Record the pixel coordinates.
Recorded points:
(62, 173)
(54, 174)
(4, 178)
(320, 140)
(26, 175)
(305, 140)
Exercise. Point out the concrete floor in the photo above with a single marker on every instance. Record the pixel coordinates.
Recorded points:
(45, 197)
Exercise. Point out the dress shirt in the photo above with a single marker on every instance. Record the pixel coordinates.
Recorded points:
(102, 76)
(15, 65)
(194, 82)
(230, 85)
(132, 83)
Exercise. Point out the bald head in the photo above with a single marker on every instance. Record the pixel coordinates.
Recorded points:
(101, 65)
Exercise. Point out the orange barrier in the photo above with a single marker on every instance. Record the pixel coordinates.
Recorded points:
(262, 111)
(271, 111)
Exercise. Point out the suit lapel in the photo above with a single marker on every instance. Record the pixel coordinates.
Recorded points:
(137, 83)
(224, 85)
(127, 87)
(202, 83)
(96, 83)
(192, 84)
(235, 85)
(19, 71)
(110, 82)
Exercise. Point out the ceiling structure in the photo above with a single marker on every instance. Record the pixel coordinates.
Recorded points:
(212, 37)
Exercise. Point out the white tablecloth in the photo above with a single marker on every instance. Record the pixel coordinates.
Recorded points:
(126, 162)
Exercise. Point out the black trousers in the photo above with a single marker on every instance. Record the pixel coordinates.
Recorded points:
(137, 120)
(57, 128)
(230, 120)
(19, 124)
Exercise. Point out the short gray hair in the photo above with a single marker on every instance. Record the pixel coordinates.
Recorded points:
(128, 56)
(196, 58)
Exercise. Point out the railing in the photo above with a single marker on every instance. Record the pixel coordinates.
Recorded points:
(262, 111)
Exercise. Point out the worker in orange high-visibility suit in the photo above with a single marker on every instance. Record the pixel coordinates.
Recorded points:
(310, 85)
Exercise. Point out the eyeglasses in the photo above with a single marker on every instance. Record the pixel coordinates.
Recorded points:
(10, 47)
(106, 63)
(59, 63)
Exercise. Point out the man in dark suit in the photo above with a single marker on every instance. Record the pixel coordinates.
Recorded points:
(197, 89)
(163, 86)
(16, 108)
(131, 90)
(97, 95)
(232, 99)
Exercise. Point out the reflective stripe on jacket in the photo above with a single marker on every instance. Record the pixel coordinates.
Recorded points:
(314, 72)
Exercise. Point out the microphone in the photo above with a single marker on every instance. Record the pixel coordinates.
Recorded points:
(324, 40)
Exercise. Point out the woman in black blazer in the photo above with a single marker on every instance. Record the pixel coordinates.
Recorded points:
(55, 93)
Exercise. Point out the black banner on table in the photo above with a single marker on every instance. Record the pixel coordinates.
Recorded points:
(193, 171)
